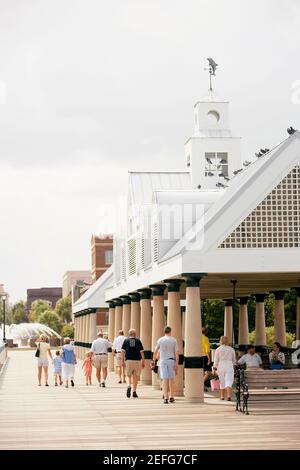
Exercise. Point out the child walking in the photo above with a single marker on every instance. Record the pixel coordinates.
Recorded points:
(87, 367)
(57, 362)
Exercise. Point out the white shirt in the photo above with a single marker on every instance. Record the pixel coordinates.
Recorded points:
(225, 354)
(252, 360)
(167, 347)
(101, 346)
(118, 343)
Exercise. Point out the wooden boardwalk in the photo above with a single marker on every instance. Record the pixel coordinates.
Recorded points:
(33, 417)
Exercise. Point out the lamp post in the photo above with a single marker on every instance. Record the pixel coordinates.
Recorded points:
(3, 296)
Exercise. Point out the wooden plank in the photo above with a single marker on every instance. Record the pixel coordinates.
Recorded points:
(92, 418)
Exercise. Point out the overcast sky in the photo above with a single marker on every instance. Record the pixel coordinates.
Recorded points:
(92, 88)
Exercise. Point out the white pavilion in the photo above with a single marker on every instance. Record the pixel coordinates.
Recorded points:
(222, 227)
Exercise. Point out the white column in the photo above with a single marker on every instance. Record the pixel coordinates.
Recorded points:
(126, 317)
(243, 322)
(228, 320)
(174, 321)
(146, 334)
(279, 318)
(194, 386)
(93, 326)
(135, 317)
(260, 321)
(111, 332)
(118, 316)
(158, 323)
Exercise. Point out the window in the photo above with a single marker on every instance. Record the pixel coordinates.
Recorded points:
(216, 164)
(109, 257)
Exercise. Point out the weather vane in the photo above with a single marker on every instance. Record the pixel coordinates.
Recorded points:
(212, 67)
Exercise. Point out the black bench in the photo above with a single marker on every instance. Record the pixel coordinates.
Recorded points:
(258, 385)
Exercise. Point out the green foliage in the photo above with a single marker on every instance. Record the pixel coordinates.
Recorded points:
(51, 319)
(213, 317)
(63, 309)
(19, 312)
(67, 331)
(290, 337)
(8, 314)
(38, 307)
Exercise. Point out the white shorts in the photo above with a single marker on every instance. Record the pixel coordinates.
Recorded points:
(167, 369)
(68, 371)
(118, 359)
(43, 361)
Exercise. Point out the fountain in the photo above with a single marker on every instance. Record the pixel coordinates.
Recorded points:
(24, 334)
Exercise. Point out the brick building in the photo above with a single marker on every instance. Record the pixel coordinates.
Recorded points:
(50, 294)
(102, 255)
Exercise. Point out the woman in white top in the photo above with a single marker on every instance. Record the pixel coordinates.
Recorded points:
(44, 351)
(224, 361)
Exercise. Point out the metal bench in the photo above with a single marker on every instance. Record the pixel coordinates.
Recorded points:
(264, 386)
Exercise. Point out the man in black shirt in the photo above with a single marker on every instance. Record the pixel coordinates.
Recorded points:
(134, 360)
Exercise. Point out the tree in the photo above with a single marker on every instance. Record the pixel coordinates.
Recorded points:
(290, 337)
(8, 319)
(51, 319)
(213, 317)
(63, 309)
(19, 312)
(67, 331)
(38, 307)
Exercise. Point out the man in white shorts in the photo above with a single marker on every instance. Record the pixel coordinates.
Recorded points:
(100, 349)
(167, 350)
(117, 353)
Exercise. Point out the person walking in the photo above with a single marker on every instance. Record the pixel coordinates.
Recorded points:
(117, 354)
(57, 364)
(68, 362)
(88, 367)
(99, 349)
(44, 350)
(133, 360)
(206, 355)
(224, 362)
(167, 350)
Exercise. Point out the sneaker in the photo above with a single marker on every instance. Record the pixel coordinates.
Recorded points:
(135, 395)
(72, 383)
(166, 401)
(172, 400)
(103, 384)
(128, 392)
(46, 385)
(55, 384)
(120, 381)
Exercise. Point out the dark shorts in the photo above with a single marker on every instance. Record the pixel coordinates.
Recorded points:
(205, 364)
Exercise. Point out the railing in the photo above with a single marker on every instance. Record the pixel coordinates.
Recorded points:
(242, 390)
(3, 354)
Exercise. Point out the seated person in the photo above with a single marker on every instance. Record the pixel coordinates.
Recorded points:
(276, 357)
(251, 358)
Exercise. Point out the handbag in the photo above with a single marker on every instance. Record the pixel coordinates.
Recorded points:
(37, 352)
(215, 384)
(154, 366)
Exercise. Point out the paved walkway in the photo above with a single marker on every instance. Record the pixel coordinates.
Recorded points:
(33, 417)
